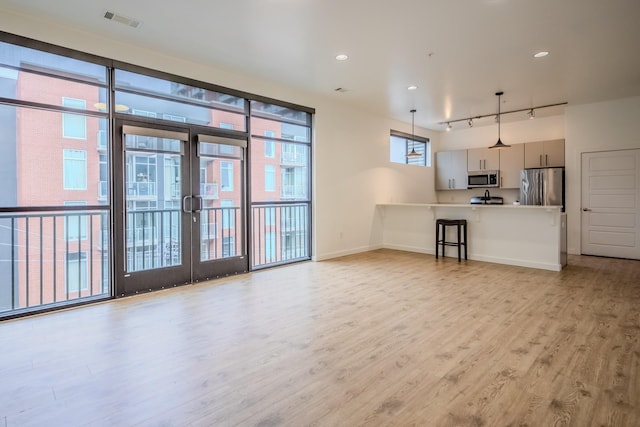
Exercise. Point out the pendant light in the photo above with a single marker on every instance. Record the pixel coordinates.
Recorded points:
(499, 144)
(413, 154)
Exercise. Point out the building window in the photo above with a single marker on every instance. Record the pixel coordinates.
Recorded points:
(74, 169)
(402, 144)
(76, 269)
(228, 213)
(74, 126)
(269, 144)
(226, 176)
(103, 185)
(269, 178)
(75, 224)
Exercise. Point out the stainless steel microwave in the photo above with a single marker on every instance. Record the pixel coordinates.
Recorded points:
(482, 179)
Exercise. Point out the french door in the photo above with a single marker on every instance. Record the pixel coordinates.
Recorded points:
(180, 205)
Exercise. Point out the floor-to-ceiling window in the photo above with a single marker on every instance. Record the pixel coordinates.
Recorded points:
(54, 216)
(280, 186)
(66, 167)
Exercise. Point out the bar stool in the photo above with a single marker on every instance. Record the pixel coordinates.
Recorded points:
(461, 224)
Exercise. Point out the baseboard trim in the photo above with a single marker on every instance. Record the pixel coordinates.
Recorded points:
(352, 251)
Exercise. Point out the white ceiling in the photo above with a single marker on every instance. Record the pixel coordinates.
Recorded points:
(458, 52)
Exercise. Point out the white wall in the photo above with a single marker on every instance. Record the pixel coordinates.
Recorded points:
(351, 165)
(353, 173)
(603, 126)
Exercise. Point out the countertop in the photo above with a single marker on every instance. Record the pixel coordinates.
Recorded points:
(467, 205)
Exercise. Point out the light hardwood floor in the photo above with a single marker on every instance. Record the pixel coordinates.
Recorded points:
(380, 338)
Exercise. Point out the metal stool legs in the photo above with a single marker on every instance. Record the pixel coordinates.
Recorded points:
(461, 225)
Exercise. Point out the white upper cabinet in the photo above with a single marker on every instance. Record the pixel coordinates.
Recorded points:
(511, 163)
(541, 154)
(451, 170)
(479, 159)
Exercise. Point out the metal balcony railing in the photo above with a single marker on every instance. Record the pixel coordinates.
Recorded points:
(142, 190)
(209, 191)
(57, 256)
(294, 156)
(280, 233)
(293, 191)
(153, 239)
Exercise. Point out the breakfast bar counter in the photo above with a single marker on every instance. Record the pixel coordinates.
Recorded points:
(528, 236)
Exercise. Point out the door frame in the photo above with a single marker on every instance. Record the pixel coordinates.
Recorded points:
(191, 269)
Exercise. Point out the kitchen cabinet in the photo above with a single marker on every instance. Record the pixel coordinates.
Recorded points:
(544, 153)
(479, 159)
(451, 170)
(511, 163)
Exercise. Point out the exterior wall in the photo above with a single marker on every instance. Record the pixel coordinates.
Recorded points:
(39, 145)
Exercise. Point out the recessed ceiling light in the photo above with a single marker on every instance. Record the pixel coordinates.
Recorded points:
(412, 87)
(342, 57)
(540, 54)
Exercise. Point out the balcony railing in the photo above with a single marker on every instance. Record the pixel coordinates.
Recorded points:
(209, 191)
(293, 191)
(280, 233)
(153, 239)
(142, 190)
(57, 256)
(293, 157)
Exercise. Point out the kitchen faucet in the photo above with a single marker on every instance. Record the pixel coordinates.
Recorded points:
(487, 196)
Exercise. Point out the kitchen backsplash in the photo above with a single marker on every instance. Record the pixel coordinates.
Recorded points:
(463, 196)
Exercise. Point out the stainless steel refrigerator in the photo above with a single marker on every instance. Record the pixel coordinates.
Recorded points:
(542, 187)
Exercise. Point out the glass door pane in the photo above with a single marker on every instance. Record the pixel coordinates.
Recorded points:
(154, 229)
(222, 246)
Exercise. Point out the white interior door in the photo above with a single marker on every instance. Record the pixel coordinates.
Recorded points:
(611, 204)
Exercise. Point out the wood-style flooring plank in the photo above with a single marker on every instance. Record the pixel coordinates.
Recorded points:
(383, 338)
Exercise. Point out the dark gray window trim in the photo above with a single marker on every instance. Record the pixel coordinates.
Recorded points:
(71, 53)
(415, 138)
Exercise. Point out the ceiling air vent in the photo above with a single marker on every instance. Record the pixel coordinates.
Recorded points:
(113, 16)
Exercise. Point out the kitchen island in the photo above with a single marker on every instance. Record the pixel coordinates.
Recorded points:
(528, 236)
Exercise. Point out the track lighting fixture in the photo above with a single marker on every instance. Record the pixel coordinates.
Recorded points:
(530, 112)
(470, 122)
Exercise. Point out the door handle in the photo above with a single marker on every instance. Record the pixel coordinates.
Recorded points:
(184, 204)
(546, 160)
(454, 183)
(480, 164)
(198, 204)
(541, 160)
(586, 209)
